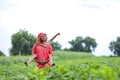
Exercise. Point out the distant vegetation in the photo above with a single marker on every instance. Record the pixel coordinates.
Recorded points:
(115, 46)
(1, 53)
(22, 43)
(56, 46)
(80, 44)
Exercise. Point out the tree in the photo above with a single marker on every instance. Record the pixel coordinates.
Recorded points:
(87, 44)
(22, 42)
(1, 53)
(115, 46)
(56, 45)
(76, 45)
(90, 44)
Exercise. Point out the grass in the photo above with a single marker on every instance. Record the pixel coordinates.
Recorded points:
(69, 66)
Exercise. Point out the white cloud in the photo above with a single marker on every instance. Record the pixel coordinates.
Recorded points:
(96, 18)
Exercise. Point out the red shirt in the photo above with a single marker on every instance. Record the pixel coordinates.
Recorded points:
(42, 54)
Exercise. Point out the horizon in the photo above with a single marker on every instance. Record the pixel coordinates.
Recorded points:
(98, 19)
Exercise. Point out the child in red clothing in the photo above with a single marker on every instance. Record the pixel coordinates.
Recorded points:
(42, 51)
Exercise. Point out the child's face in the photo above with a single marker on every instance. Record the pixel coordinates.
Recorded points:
(42, 39)
(45, 36)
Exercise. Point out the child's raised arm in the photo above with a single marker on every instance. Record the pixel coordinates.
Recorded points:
(54, 37)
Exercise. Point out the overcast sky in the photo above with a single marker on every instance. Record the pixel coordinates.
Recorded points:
(99, 19)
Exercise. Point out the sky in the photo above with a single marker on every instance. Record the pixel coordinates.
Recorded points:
(98, 19)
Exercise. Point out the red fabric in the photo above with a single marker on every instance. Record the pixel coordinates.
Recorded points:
(42, 53)
(39, 36)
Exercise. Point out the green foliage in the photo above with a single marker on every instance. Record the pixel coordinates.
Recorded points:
(77, 44)
(56, 46)
(1, 53)
(77, 67)
(22, 43)
(115, 46)
(90, 44)
(87, 44)
(68, 55)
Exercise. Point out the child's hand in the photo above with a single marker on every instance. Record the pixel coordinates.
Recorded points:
(26, 63)
(58, 33)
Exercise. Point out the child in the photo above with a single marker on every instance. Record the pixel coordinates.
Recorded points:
(43, 45)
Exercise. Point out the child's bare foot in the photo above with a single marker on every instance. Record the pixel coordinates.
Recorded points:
(26, 63)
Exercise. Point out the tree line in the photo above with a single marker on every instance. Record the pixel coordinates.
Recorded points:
(22, 43)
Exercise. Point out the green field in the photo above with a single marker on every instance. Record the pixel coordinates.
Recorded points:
(69, 66)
